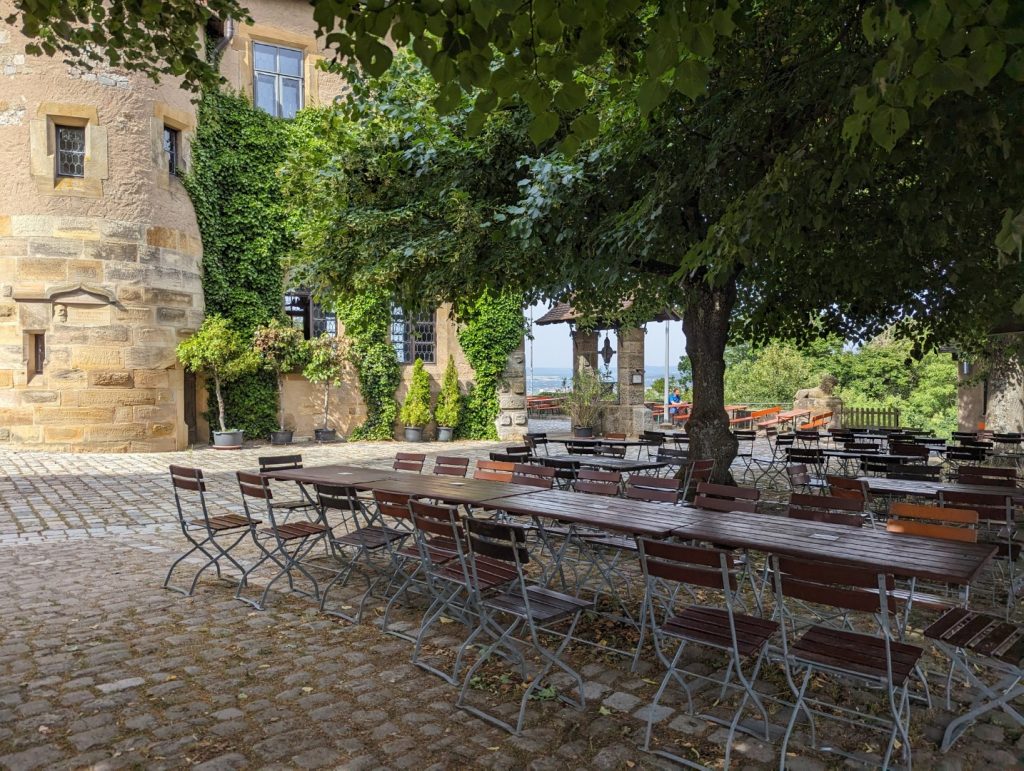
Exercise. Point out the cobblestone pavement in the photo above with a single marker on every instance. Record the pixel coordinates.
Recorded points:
(101, 668)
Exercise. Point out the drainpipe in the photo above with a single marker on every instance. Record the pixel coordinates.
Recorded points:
(229, 32)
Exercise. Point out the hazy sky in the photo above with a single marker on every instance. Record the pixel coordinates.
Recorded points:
(552, 346)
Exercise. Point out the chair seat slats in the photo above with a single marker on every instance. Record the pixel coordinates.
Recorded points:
(855, 652)
(373, 537)
(710, 626)
(546, 606)
(292, 530)
(225, 522)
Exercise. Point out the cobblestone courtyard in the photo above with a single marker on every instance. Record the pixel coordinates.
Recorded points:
(101, 668)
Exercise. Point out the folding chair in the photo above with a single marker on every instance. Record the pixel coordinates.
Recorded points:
(524, 605)
(844, 487)
(975, 642)
(773, 467)
(812, 457)
(826, 508)
(449, 581)
(409, 461)
(641, 487)
(745, 449)
(611, 450)
(618, 437)
(565, 471)
(958, 456)
(535, 441)
(289, 542)
(913, 471)
(272, 463)
(878, 660)
(447, 465)
(504, 457)
(807, 437)
(652, 440)
(693, 473)
(361, 541)
(533, 475)
(994, 476)
(597, 482)
(712, 497)
(801, 480)
(521, 451)
(674, 460)
(494, 470)
(580, 448)
(744, 638)
(996, 525)
(204, 531)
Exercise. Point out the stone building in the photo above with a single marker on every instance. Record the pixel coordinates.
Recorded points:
(100, 253)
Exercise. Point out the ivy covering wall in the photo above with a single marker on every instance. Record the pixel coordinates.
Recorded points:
(492, 329)
(367, 320)
(236, 194)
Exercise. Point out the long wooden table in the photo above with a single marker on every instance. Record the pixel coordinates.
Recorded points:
(655, 520)
(903, 555)
(336, 474)
(606, 462)
(925, 489)
(454, 490)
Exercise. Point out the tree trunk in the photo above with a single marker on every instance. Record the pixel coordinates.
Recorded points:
(327, 397)
(280, 401)
(706, 325)
(220, 401)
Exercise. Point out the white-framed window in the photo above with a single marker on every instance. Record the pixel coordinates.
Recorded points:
(277, 84)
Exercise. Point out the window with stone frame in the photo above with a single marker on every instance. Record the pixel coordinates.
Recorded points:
(414, 336)
(309, 316)
(70, 150)
(172, 146)
(277, 86)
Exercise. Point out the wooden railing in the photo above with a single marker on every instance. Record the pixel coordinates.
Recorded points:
(871, 417)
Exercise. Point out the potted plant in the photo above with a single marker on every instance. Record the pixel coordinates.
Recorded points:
(415, 412)
(221, 351)
(281, 349)
(449, 403)
(326, 361)
(583, 402)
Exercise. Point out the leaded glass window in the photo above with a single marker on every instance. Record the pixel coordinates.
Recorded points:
(70, 151)
(308, 316)
(413, 336)
(277, 79)
(172, 137)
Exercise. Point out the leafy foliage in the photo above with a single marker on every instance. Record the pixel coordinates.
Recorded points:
(158, 38)
(774, 375)
(282, 349)
(221, 351)
(492, 328)
(448, 410)
(236, 194)
(416, 409)
(367, 320)
(583, 403)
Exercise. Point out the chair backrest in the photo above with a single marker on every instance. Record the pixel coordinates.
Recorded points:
(190, 479)
(695, 472)
(336, 497)
(779, 441)
(987, 475)
(395, 505)
(745, 435)
(694, 565)
(833, 584)
(533, 475)
(533, 441)
(726, 498)
(579, 448)
(494, 470)
(448, 465)
(810, 455)
(913, 471)
(409, 461)
(654, 489)
(523, 450)
(279, 462)
(614, 436)
(933, 522)
(653, 437)
(861, 446)
(497, 542)
(433, 520)
(255, 486)
(909, 448)
(959, 436)
(610, 451)
(991, 507)
(825, 508)
(845, 487)
(808, 435)
(799, 475)
(597, 482)
(671, 455)
(966, 453)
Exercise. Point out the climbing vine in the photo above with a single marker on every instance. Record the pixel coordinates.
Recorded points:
(367, 320)
(492, 329)
(236, 194)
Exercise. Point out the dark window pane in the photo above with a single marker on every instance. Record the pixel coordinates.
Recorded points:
(171, 138)
(266, 99)
(70, 151)
(413, 337)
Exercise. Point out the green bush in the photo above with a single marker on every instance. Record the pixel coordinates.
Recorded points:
(326, 361)
(449, 400)
(416, 409)
(282, 349)
(367, 321)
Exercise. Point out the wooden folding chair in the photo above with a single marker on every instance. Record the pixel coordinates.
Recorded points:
(409, 461)
(597, 482)
(533, 475)
(271, 463)
(826, 508)
(448, 465)
(494, 470)
(641, 487)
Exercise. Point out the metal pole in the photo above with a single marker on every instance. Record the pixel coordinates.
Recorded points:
(665, 415)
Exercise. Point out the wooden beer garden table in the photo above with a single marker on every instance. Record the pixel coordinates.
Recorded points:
(336, 474)
(924, 489)
(608, 463)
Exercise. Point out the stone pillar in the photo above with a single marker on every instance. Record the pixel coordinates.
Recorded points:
(631, 364)
(512, 419)
(584, 343)
(1005, 410)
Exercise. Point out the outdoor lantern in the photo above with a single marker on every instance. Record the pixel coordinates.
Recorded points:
(607, 351)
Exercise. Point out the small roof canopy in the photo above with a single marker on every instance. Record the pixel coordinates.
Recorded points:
(564, 313)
